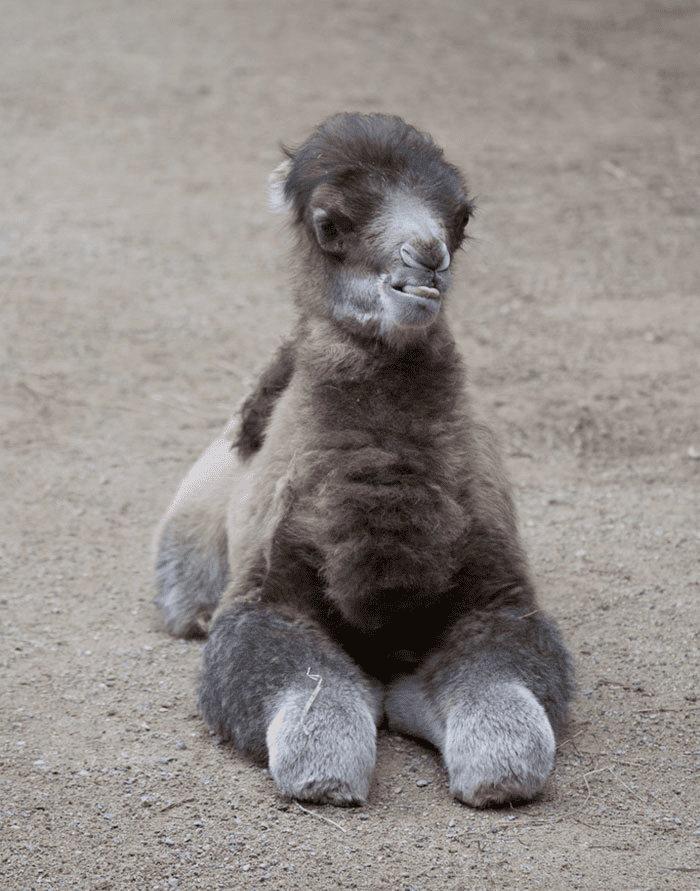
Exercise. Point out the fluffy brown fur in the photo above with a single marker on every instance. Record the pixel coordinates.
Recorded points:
(355, 524)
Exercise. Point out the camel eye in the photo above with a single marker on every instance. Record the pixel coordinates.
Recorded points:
(327, 231)
(461, 222)
(331, 230)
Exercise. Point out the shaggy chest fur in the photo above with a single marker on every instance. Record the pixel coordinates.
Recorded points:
(379, 493)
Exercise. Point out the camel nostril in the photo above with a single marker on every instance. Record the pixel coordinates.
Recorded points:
(445, 261)
(433, 256)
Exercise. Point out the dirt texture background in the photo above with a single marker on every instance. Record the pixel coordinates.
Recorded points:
(142, 283)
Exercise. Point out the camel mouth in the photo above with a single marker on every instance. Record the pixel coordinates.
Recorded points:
(402, 289)
(410, 305)
(420, 291)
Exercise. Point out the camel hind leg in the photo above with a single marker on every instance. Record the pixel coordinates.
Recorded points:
(191, 542)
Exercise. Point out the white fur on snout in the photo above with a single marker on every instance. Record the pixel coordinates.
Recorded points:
(405, 218)
(500, 748)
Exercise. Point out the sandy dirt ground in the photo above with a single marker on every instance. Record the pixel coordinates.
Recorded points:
(142, 283)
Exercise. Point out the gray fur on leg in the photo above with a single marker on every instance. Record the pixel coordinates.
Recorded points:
(500, 748)
(284, 694)
(322, 743)
(190, 576)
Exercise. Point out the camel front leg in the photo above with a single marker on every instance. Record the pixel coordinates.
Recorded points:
(492, 699)
(285, 694)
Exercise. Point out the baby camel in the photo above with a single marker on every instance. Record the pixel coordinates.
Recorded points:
(349, 544)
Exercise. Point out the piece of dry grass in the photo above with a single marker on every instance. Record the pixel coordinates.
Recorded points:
(312, 698)
(321, 817)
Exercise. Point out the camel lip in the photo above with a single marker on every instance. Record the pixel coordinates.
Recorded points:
(412, 306)
(420, 291)
(410, 286)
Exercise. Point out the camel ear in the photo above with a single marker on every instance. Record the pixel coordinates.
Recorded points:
(275, 188)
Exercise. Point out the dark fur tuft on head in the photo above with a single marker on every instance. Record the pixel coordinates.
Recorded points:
(373, 151)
